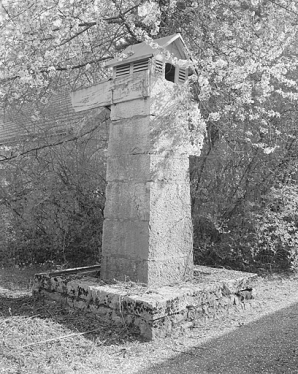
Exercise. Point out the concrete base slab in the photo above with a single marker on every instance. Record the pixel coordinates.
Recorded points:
(155, 312)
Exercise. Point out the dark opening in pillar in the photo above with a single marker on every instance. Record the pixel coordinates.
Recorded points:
(170, 72)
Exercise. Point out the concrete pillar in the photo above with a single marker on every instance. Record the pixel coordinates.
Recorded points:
(147, 232)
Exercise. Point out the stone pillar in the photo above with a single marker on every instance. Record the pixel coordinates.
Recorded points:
(147, 232)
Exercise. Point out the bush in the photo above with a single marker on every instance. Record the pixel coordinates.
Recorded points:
(276, 227)
(53, 200)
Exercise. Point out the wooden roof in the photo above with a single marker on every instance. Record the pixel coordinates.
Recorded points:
(55, 117)
(173, 43)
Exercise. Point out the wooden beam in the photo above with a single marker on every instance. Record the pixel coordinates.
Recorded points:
(92, 97)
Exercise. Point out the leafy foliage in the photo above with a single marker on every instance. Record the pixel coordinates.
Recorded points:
(244, 59)
(55, 199)
(277, 226)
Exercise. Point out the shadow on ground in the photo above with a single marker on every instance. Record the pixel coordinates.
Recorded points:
(16, 300)
(268, 345)
(73, 320)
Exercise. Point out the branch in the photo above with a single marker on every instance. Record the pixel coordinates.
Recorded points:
(46, 69)
(74, 36)
(59, 338)
(284, 7)
(6, 11)
(116, 19)
(84, 24)
(4, 158)
(78, 66)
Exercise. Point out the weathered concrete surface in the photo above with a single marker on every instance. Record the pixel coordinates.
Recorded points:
(147, 232)
(155, 312)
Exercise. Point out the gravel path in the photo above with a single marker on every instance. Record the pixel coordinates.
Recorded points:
(267, 345)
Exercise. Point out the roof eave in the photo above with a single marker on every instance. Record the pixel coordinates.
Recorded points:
(128, 60)
(175, 37)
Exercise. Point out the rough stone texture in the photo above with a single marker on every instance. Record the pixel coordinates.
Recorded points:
(141, 107)
(170, 220)
(155, 312)
(148, 168)
(147, 232)
(129, 136)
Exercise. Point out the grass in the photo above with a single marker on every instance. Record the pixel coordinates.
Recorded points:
(39, 338)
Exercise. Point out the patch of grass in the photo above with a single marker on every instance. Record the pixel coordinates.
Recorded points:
(41, 337)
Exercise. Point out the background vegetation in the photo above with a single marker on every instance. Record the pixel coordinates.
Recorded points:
(52, 205)
(244, 183)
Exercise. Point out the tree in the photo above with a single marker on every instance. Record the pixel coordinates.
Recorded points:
(244, 59)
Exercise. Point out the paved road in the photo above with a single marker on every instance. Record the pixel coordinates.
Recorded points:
(269, 345)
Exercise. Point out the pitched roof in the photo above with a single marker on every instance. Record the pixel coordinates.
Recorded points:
(173, 43)
(55, 117)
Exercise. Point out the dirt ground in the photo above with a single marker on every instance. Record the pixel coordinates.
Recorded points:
(38, 337)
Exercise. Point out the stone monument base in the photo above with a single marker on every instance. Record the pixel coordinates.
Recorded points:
(153, 312)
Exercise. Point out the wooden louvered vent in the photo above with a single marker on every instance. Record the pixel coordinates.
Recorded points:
(122, 70)
(158, 67)
(181, 76)
(141, 65)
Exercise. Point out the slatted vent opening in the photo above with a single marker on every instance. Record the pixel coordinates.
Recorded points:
(122, 70)
(158, 67)
(141, 65)
(181, 76)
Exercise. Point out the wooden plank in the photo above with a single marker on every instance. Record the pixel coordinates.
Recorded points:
(133, 87)
(92, 97)
(80, 270)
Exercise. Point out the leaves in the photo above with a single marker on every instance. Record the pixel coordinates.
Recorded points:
(244, 91)
(52, 203)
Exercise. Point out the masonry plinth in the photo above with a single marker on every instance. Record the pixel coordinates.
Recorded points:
(147, 233)
(152, 312)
